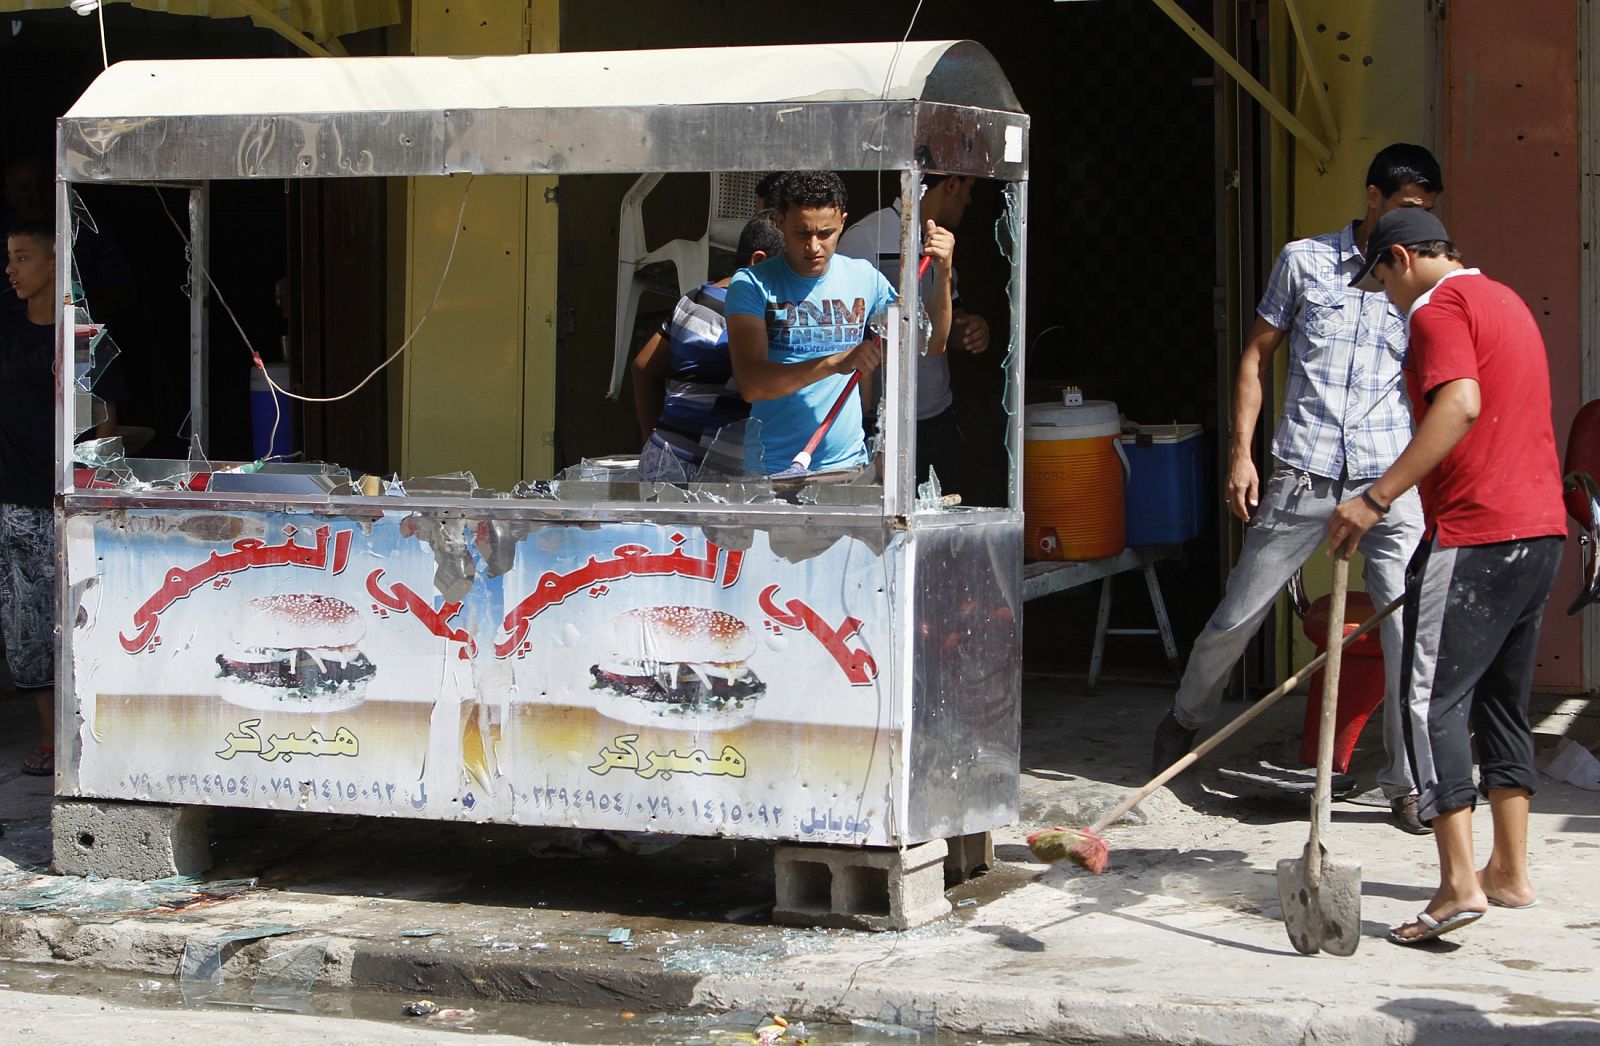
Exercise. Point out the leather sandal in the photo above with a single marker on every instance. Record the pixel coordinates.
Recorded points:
(42, 763)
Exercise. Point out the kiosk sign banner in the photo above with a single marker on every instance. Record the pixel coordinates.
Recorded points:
(629, 676)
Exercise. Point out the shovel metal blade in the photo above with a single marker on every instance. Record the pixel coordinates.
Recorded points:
(1326, 917)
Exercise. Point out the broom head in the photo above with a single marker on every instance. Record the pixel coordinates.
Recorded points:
(1082, 846)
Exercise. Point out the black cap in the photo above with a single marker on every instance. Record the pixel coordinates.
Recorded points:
(1405, 227)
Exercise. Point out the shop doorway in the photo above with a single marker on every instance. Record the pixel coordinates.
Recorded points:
(1125, 250)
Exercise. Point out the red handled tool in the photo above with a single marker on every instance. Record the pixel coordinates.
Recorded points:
(802, 460)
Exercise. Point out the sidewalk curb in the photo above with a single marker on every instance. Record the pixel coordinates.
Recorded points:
(1136, 1018)
(631, 982)
(640, 982)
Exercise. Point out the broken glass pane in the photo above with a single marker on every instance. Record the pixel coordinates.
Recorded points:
(93, 352)
(89, 412)
(97, 267)
(535, 490)
(100, 453)
(659, 463)
(604, 470)
(1007, 237)
(200, 970)
(736, 454)
(929, 496)
(284, 980)
(457, 483)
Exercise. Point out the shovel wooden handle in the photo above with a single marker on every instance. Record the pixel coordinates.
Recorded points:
(1244, 718)
(1322, 797)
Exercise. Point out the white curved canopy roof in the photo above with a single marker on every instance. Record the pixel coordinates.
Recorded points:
(941, 106)
(951, 71)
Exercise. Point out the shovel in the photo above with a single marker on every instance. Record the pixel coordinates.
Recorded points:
(1321, 896)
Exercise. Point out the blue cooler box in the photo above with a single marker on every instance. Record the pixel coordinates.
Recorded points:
(1162, 494)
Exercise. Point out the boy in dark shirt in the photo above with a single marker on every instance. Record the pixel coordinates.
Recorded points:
(27, 436)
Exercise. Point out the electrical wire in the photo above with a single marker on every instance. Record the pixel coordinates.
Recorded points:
(877, 184)
(255, 356)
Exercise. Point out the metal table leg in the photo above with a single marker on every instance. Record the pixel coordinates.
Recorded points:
(1162, 622)
(1100, 629)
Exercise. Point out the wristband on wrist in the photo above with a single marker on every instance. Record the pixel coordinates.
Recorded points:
(1374, 504)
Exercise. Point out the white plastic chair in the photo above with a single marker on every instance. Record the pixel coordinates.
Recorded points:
(732, 203)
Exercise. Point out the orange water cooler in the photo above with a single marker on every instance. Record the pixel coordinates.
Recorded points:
(1072, 478)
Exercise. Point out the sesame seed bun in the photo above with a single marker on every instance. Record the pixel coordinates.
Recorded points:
(298, 620)
(680, 633)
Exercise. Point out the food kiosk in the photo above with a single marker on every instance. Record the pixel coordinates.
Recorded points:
(829, 662)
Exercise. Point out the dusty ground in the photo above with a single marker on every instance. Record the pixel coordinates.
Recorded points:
(1182, 941)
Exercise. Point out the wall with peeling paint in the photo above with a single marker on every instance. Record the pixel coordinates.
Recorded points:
(1511, 171)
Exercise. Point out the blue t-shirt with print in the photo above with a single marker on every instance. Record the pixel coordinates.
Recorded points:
(807, 317)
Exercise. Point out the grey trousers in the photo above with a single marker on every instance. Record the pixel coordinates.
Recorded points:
(1290, 523)
(1474, 621)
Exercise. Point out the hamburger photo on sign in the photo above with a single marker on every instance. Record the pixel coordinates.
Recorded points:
(678, 666)
(296, 652)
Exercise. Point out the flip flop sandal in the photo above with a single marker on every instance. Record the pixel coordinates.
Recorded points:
(1514, 907)
(42, 763)
(1434, 928)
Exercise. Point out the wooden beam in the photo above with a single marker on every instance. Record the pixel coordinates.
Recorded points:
(1252, 86)
(268, 19)
(1319, 86)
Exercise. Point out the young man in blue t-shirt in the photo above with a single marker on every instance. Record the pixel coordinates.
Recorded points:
(797, 328)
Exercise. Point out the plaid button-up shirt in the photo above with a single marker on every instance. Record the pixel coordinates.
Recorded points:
(1345, 414)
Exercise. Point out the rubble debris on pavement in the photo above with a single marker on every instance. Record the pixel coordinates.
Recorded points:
(101, 897)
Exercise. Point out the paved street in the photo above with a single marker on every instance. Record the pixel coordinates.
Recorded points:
(1182, 941)
(30, 1018)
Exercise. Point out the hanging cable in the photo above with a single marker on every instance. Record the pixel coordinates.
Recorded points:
(94, 7)
(256, 356)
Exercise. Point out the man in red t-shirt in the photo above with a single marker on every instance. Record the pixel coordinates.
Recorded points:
(1484, 458)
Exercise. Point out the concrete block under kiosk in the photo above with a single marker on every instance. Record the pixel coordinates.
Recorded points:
(1162, 497)
(863, 888)
(118, 840)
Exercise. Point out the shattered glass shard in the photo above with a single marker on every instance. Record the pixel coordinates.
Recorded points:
(458, 483)
(736, 453)
(100, 453)
(1007, 236)
(89, 412)
(537, 490)
(284, 980)
(604, 470)
(659, 464)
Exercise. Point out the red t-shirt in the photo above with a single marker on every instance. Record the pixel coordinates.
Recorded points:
(1502, 482)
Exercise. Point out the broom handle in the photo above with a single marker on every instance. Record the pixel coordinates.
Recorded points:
(1321, 797)
(1238, 724)
(827, 422)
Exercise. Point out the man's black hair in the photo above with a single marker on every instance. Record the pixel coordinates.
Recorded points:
(1403, 164)
(37, 228)
(1427, 249)
(770, 188)
(812, 189)
(760, 233)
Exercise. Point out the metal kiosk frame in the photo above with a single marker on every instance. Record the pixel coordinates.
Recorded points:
(879, 714)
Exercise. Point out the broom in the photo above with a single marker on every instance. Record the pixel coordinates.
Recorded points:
(1087, 847)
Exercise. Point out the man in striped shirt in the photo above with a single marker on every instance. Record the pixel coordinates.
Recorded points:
(683, 389)
(1345, 420)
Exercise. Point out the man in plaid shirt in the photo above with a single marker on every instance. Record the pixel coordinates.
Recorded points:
(1345, 420)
